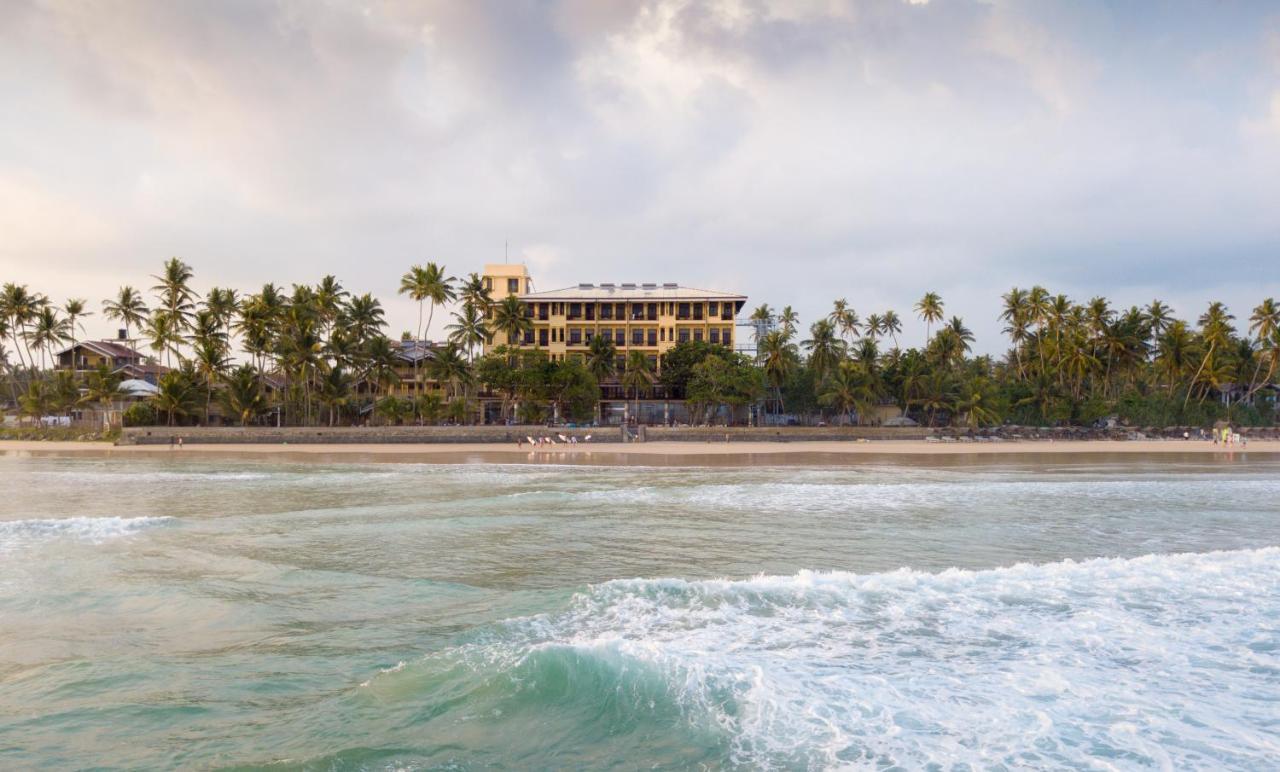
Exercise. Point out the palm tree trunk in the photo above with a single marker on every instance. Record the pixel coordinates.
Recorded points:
(1196, 377)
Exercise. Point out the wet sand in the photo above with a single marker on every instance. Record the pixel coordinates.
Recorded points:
(659, 453)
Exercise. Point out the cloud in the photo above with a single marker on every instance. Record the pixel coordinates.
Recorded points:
(794, 151)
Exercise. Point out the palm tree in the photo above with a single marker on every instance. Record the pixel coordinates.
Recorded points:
(762, 319)
(825, 349)
(602, 357)
(211, 352)
(163, 334)
(20, 306)
(788, 318)
(1265, 324)
(779, 360)
(468, 329)
(451, 368)
(336, 387)
(511, 316)
(1159, 317)
(242, 396)
(848, 392)
(74, 308)
(1215, 330)
(638, 375)
(178, 395)
(174, 292)
(930, 311)
(891, 325)
(473, 292)
(102, 388)
(128, 308)
(48, 331)
(427, 283)
(873, 326)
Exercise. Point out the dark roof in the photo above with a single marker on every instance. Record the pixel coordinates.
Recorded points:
(107, 348)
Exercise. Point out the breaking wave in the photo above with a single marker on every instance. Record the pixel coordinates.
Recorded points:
(18, 533)
(1171, 661)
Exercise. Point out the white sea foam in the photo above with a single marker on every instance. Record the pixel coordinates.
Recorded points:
(1168, 661)
(19, 533)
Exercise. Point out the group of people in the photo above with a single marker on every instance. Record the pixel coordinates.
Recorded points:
(538, 442)
(1228, 438)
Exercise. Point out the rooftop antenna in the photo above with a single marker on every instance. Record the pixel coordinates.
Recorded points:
(505, 258)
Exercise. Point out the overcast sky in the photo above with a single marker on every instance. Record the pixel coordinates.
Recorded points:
(795, 151)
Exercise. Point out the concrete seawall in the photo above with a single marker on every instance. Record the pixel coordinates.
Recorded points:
(351, 435)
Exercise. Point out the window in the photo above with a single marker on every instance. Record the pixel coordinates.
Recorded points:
(684, 336)
(727, 336)
(488, 283)
(528, 337)
(591, 311)
(637, 337)
(682, 311)
(697, 334)
(513, 287)
(715, 335)
(697, 310)
(544, 310)
(651, 312)
(619, 336)
(726, 311)
(653, 337)
(713, 308)
(606, 311)
(575, 310)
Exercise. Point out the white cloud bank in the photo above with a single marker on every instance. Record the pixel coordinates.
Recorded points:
(794, 151)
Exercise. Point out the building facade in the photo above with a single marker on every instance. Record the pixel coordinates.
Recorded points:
(637, 317)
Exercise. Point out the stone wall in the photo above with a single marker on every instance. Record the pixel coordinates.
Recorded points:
(159, 435)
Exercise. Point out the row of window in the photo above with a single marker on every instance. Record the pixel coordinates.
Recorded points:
(636, 312)
(646, 336)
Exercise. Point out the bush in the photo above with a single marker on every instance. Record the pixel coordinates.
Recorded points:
(139, 414)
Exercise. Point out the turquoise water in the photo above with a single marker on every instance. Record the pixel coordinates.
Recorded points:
(1068, 614)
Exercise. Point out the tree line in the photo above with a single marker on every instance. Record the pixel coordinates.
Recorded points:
(316, 354)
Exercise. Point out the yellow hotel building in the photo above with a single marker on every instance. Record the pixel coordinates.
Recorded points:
(645, 317)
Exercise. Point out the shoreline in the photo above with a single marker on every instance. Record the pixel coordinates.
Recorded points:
(662, 453)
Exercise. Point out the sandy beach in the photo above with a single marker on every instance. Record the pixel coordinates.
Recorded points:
(652, 453)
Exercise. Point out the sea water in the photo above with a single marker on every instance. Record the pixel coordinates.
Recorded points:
(1073, 613)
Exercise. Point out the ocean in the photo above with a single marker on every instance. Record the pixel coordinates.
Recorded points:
(1081, 612)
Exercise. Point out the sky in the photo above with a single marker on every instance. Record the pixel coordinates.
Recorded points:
(794, 151)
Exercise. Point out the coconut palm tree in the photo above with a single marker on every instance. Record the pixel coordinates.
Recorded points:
(825, 349)
(638, 376)
(511, 316)
(425, 284)
(929, 309)
(762, 320)
(779, 360)
(788, 318)
(179, 394)
(48, 331)
(1215, 331)
(873, 326)
(75, 311)
(848, 392)
(469, 329)
(473, 292)
(19, 305)
(1264, 322)
(242, 396)
(102, 388)
(602, 357)
(891, 325)
(173, 291)
(128, 309)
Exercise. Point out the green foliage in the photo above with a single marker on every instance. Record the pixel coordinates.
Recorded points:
(139, 414)
(677, 364)
(731, 381)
